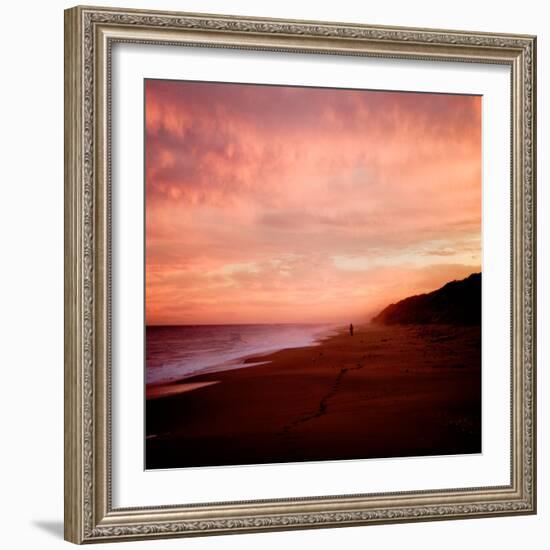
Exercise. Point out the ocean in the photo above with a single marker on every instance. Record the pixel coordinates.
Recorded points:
(178, 352)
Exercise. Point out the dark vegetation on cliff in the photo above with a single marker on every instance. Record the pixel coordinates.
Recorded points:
(456, 303)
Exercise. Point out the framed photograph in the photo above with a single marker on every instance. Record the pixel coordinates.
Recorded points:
(299, 274)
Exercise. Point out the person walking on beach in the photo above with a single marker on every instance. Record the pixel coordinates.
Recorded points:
(351, 329)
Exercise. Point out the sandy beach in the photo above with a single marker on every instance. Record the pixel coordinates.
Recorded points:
(387, 391)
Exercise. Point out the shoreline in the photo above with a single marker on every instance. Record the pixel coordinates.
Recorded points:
(250, 359)
(394, 391)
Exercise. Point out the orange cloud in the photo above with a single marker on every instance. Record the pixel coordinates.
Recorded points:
(284, 204)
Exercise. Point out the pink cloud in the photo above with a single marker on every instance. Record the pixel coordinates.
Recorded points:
(247, 175)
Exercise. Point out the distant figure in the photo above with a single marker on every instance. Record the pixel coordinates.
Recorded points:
(351, 329)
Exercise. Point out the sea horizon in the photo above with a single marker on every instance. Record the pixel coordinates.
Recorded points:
(316, 323)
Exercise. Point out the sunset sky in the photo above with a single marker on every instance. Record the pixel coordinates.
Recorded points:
(272, 204)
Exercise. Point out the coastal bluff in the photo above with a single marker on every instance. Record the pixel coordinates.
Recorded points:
(455, 303)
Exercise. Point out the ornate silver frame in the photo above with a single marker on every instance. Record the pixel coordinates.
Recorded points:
(89, 35)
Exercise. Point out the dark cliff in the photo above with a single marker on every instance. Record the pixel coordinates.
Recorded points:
(456, 303)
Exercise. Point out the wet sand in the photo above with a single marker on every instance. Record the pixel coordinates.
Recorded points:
(387, 391)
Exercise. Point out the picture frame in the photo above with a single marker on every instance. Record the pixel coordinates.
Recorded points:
(90, 35)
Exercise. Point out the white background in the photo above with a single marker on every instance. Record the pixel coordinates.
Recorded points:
(31, 213)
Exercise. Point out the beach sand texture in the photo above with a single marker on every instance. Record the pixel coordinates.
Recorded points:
(386, 391)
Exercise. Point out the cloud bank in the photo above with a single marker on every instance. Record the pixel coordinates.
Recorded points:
(292, 204)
